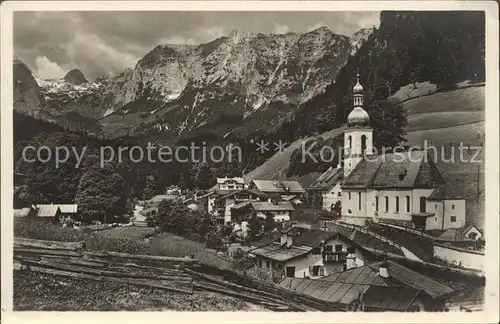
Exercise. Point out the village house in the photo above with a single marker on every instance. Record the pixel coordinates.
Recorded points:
(379, 286)
(325, 192)
(223, 205)
(402, 185)
(280, 210)
(288, 190)
(224, 186)
(48, 212)
(307, 253)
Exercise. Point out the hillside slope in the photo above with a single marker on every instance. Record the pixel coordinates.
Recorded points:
(460, 120)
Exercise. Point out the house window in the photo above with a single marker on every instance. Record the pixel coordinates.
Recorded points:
(452, 206)
(339, 194)
(453, 219)
(316, 251)
(268, 264)
(376, 203)
(328, 248)
(407, 204)
(386, 204)
(397, 204)
(436, 206)
(359, 200)
(338, 247)
(349, 196)
(422, 204)
(316, 271)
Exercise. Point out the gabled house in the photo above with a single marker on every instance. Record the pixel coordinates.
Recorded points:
(308, 253)
(380, 286)
(472, 232)
(448, 206)
(223, 204)
(326, 191)
(280, 210)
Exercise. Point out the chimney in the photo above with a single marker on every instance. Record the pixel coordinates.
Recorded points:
(382, 271)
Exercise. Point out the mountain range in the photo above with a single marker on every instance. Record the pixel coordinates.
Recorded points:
(235, 85)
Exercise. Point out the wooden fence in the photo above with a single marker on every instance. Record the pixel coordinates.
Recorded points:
(181, 275)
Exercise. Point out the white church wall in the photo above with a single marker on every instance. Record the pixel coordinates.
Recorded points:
(454, 213)
(416, 194)
(390, 211)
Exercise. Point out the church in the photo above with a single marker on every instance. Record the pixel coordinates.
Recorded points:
(403, 186)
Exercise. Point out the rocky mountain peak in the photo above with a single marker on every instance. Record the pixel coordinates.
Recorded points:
(76, 77)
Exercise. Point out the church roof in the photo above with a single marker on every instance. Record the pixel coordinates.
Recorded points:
(408, 169)
(448, 190)
(327, 179)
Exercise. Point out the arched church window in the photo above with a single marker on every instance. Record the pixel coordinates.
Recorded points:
(423, 201)
(350, 141)
(363, 143)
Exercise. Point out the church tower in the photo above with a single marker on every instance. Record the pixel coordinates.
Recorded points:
(358, 137)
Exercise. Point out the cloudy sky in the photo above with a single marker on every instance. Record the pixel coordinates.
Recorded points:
(98, 43)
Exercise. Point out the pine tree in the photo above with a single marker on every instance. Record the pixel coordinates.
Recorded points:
(150, 188)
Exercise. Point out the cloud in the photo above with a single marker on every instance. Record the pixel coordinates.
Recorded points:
(46, 69)
(103, 42)
(281, 29)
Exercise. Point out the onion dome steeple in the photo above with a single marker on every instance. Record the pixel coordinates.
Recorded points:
(358, 116)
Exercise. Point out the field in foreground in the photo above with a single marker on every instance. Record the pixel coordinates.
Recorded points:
(43, 292)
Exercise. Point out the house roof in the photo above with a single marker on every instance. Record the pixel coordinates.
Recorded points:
(470, 227)
(414, 279)
(266, 206)
(364, 275)
(47, 210)
(398, 299)
(346, 286)
(68, 208)
(278, 186)
(453, 234)
(342, 293)
(278, 252)
(309, 237)
(327, 179)
(448, 191)
(230, 180)
(23, 212)
(255, 192)
(408, 169)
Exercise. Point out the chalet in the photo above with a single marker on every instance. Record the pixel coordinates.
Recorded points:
(230, 184)
(68, 211)
(281, 210)
(403, 289)
(223, 204)
(307, 253)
